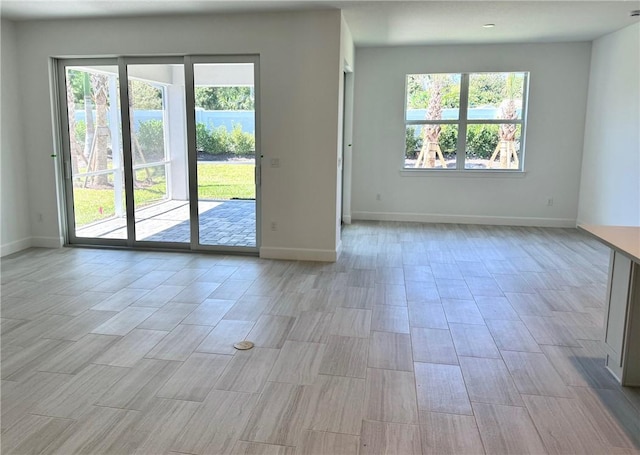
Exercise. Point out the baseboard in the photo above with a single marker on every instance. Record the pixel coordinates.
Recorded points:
(299, 254)
(466, 219)
(15, 246)
(47, 242)
(346, 219)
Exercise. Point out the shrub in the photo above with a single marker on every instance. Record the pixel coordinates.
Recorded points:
(413, 143)
(214, 142)
(81, 131)
(242, 143)
(482, 140)
(151, 138)
(448, 139)
(203, 138)
(219, 141)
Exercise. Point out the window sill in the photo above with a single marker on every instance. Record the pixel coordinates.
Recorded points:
(484, 173)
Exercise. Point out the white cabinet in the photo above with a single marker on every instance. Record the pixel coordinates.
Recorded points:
(622, 320)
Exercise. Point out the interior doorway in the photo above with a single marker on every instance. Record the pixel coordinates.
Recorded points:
(155, 157)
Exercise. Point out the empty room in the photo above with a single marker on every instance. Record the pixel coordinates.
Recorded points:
(332, 227)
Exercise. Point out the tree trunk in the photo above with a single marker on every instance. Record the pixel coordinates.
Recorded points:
(88, 116)
(74, 145)
(100, 160)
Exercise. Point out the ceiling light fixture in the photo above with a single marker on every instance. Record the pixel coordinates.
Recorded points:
(488, 25)
(635, 13)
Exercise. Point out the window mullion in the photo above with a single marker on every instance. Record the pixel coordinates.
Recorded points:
(462, 127)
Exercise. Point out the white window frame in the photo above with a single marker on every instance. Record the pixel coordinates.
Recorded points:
(463, 122)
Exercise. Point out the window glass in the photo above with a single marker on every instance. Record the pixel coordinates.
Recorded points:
(495, 96)
(487, 134)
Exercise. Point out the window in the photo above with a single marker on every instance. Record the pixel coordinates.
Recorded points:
(465, 121)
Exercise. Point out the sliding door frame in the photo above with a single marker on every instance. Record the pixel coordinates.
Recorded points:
(122, 62)
(63, 109)
(190, 61)
(123, 66)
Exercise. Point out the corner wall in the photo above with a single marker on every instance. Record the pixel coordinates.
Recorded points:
(15, 231)
(610, 184)
(299, 61)
(554, 141)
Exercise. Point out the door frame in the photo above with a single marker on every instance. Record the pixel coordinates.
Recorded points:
(121, 63)
(189, 82)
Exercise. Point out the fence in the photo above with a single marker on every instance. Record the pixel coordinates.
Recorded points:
(212, 119)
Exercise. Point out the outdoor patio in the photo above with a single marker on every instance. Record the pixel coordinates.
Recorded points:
(224, 223)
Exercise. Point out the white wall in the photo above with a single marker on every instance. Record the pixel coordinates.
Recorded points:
(610, 184)
(299, 62)
(555, 131)
(15, 231)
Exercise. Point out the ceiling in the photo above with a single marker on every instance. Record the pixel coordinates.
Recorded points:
(383, 23)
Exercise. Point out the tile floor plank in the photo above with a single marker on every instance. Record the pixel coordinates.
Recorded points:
(180, 342)
(391, 351)
(391, 396)
(507, 429)
(441, 388)
(473, 340)
(128, 350)
(298, 362)
(216, 424)
(278, 417)
(224, 335)
(248, 370)
(449, 434)
(195, 378)
(345, 356)
(335, 404)
(321, 442)
(488, 381)
(390, 438)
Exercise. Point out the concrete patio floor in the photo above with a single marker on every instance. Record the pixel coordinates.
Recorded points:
(224, 223)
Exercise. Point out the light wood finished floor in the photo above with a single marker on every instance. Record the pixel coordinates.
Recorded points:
(443, 339)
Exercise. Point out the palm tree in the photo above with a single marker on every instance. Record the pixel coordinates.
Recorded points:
(74, 145)
(98, 156)
(88, 114)
(507, 131)
(431, 133)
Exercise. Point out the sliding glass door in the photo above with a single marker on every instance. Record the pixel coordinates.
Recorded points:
(223, 116)
(155, 161)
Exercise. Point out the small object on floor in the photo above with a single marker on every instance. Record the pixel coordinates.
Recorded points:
(243, 345)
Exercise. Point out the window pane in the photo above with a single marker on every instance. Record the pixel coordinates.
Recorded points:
(431, 146)
(96, 151)
(433, 96)
(493, 146)
(495, 96)
(148, 114)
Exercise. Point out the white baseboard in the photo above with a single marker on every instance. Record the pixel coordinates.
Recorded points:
(298, 254)
(15, 246)
(47, 242)
(346, 219)
(466, 219)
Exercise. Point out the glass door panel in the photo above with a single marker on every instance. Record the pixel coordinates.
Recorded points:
(226, 150)
(94, 167)
(159, 153)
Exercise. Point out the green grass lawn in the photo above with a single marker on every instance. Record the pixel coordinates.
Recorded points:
(215, 181)
(225, 181)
